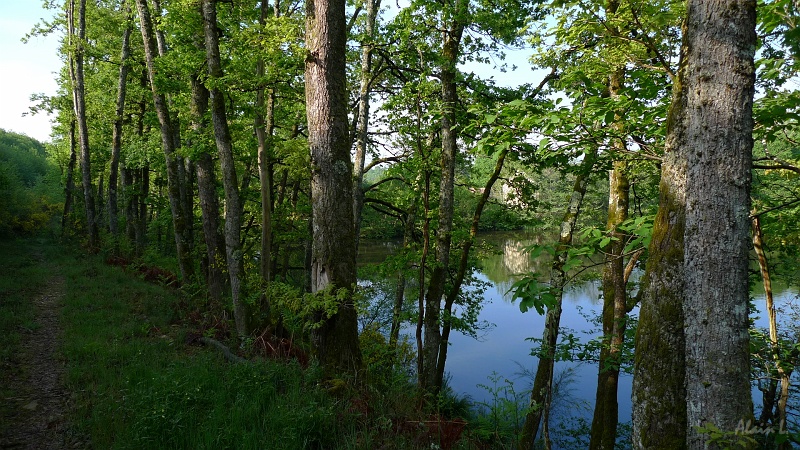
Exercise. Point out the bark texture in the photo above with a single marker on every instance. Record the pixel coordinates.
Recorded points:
(696, 277)
(333, 253)
(718, 83)
(659, 394)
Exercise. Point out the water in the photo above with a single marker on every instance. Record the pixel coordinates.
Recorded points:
(502, 351)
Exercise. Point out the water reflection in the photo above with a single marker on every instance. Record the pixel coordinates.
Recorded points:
(504, 351)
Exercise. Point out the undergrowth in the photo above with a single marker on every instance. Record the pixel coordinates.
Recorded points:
(139, 380)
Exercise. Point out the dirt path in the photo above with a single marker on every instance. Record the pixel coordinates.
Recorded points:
(39, 420)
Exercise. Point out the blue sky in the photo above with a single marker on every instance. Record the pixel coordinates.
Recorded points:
(26, 68)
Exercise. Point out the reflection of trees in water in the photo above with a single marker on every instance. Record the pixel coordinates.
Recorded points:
(511, 259)
(515, 258)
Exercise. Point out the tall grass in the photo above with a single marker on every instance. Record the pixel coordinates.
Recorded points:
(140, 386)
(136, 382)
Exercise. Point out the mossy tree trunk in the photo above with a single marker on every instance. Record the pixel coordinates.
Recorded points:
(696, 276)
(333, 252)
(606, 409)
(449, 135)
(659, 394)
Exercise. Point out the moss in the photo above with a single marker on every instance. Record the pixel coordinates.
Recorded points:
(660, 339)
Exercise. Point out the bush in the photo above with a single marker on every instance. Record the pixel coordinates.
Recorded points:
(29, 192)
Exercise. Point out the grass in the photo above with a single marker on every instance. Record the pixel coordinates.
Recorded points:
(136, 382)
(141, 386)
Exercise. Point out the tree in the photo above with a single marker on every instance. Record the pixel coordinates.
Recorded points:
(265, 126)
(362, 124)
(333, 254)
(222, 136)
(116, 140)
(696, 276)
(180, 222)
(79, 103)
(715, 121)
(541, 391)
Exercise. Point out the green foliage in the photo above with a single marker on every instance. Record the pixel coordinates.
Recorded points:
(305, 310)
(533, 293)
(29, 193)
(387, 366)
(499, 419)
(727, 440)
(637, 233)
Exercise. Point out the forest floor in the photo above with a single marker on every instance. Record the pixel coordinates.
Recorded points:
(35, 416)
(93, 355)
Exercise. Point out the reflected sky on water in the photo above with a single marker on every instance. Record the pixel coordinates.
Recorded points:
(503, 350)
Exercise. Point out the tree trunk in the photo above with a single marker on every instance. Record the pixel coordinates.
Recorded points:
(718, 84)
(426, 245)
(79, 102)
(141, 219)
(436, 287)
(333, 259)
(784, 377)
(182, 164)
(69, 187)
(541, 391)
(179, 220)
(400, 289)
(606, 409)
(222, 136)
(207, 190)
(659, 393)
(116, 139)
(265, 124)
(463, 266)
(362, 130)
